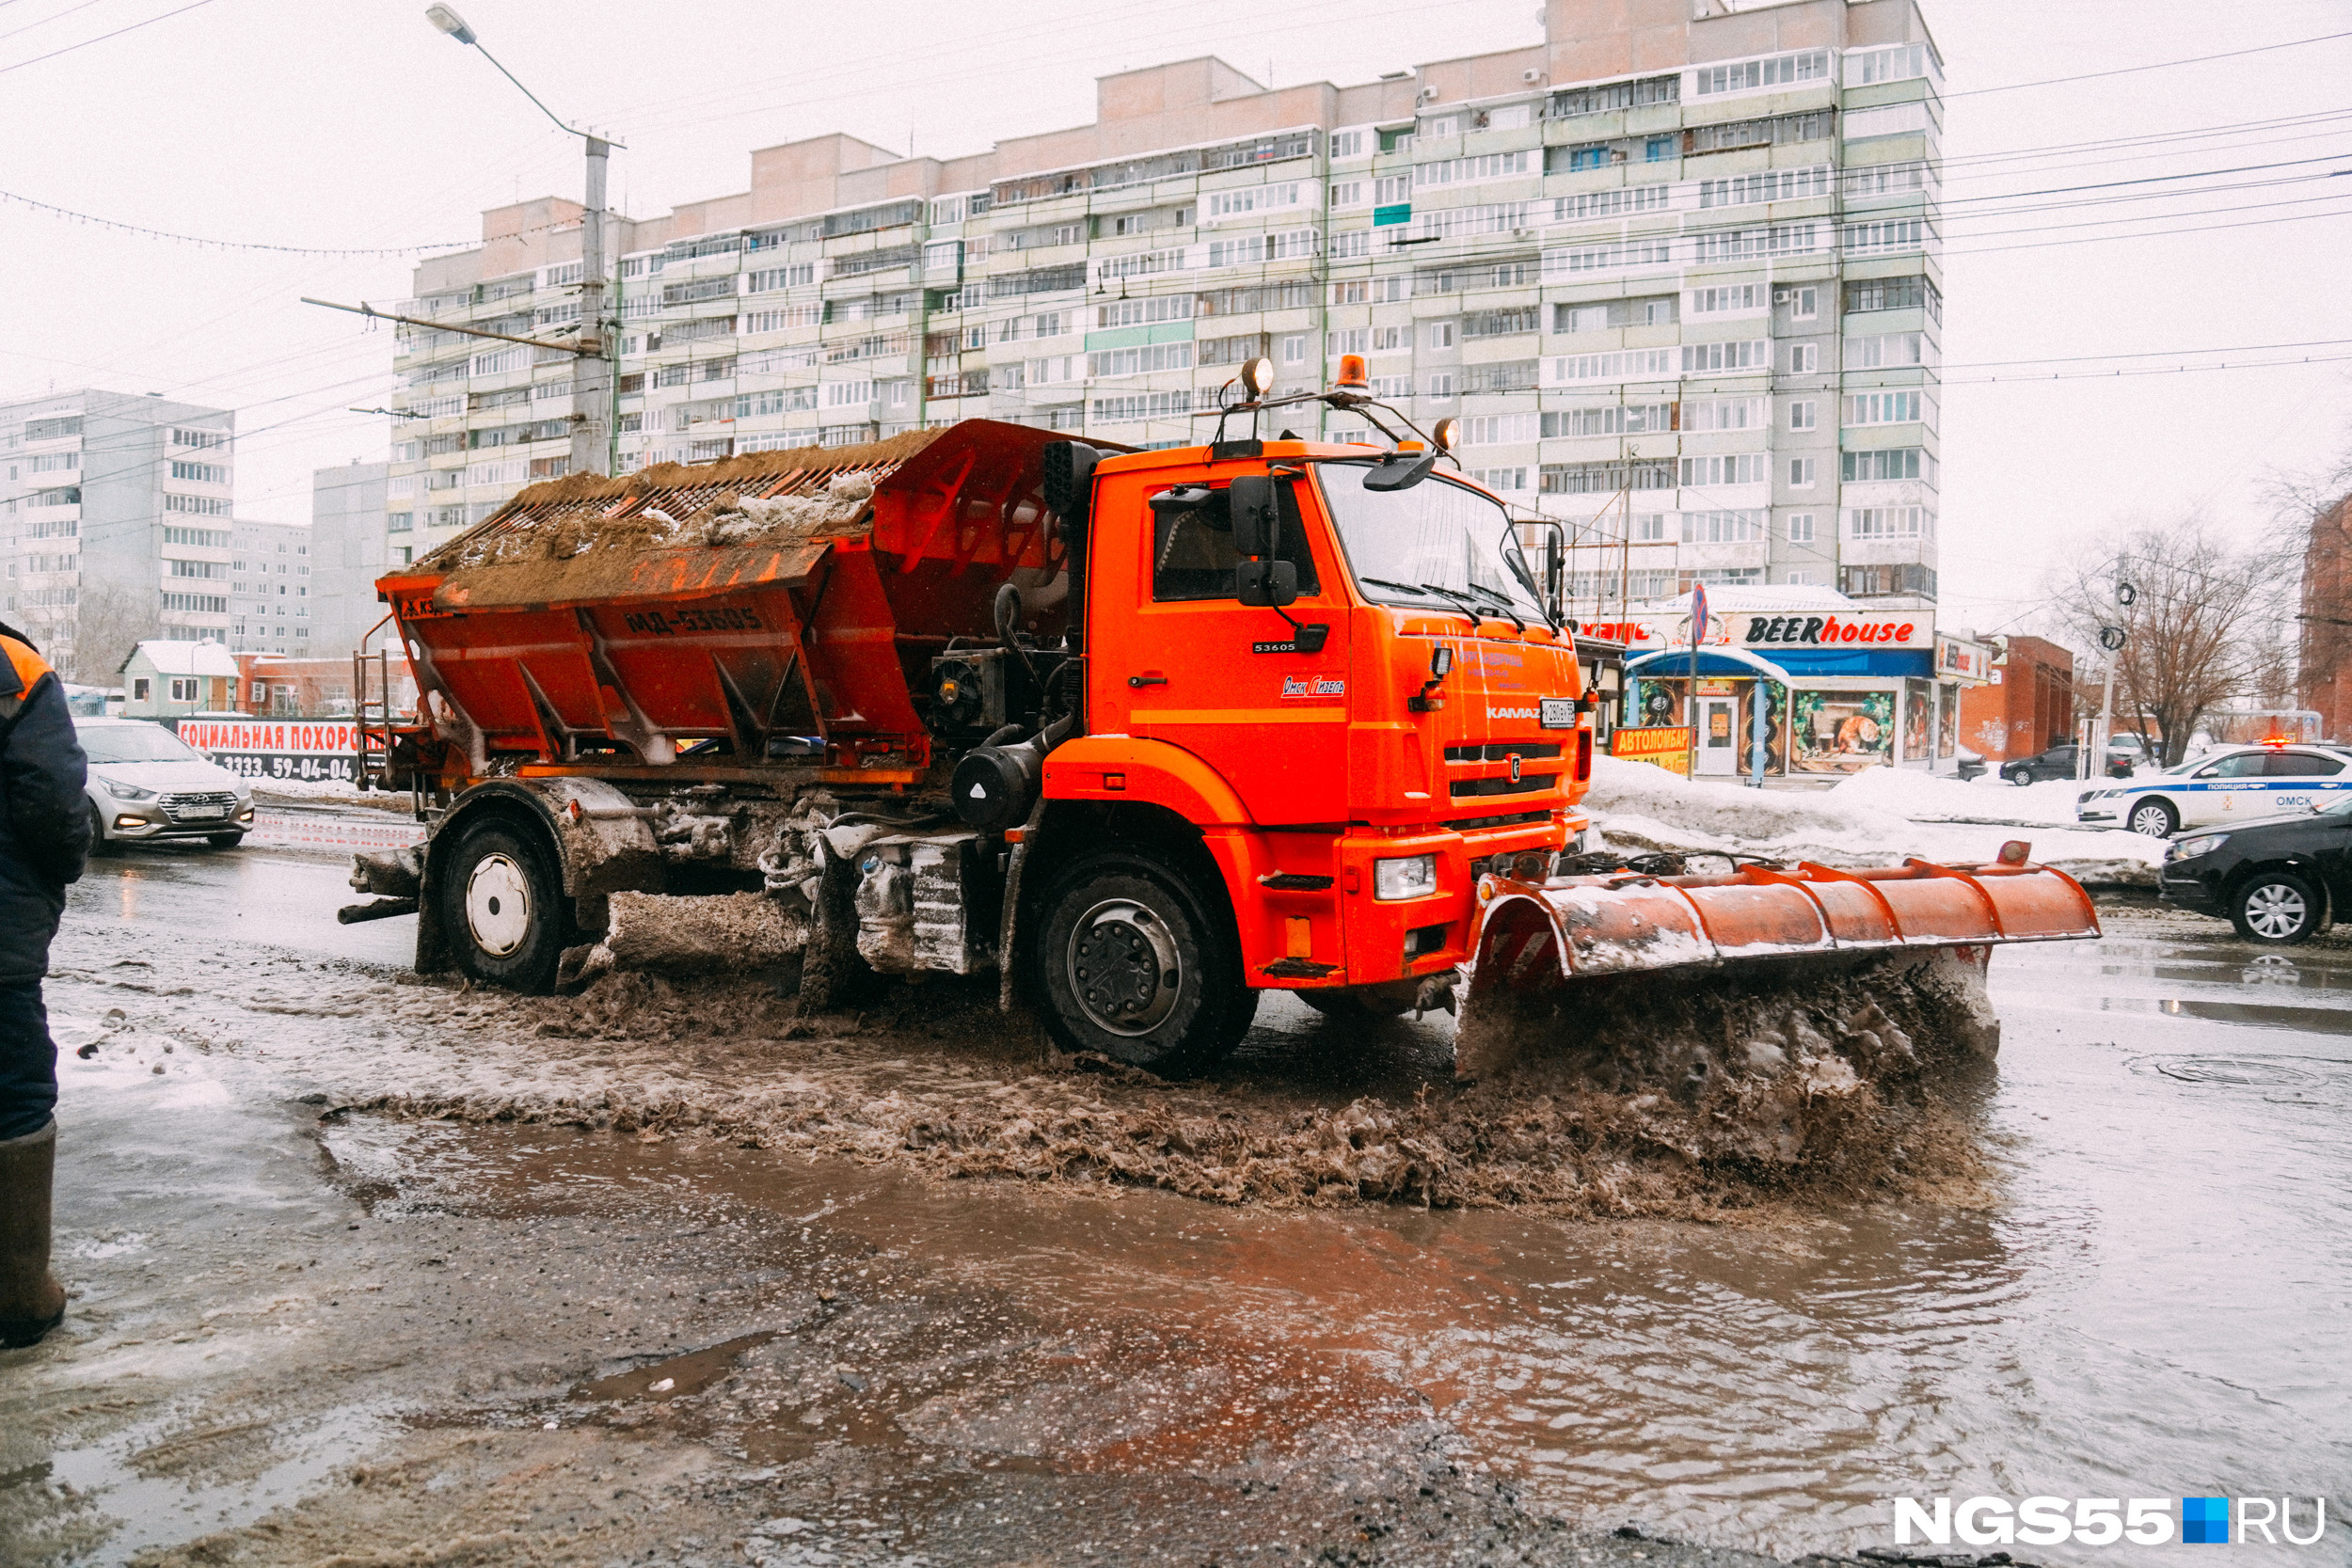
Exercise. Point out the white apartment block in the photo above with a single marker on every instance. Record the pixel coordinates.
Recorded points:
(114, 523)
(1675, 269)
(272, 598)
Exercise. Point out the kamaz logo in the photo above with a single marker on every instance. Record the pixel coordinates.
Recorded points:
(1510, 713)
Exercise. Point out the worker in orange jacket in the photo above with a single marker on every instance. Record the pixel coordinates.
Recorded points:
(43, 837)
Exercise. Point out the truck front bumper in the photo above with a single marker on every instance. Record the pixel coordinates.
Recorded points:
(1309, 906)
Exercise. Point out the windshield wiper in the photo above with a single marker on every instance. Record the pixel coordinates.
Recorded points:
(1505, 600)
(1468, 609)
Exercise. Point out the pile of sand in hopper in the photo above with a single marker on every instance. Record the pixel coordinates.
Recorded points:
(763, 500)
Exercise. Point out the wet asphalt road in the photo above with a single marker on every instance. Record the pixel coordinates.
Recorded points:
(296, 1339)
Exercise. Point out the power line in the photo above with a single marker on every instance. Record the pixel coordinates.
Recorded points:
(103, 37)
(2151, 179)
(224, 244)
(2160, 65)
(45, 21)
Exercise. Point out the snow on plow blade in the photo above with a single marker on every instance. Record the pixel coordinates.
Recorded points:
(1768, 927)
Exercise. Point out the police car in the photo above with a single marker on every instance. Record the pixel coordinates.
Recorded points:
(2233, 784)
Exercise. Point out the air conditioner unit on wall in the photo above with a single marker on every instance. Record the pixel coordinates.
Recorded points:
(1531, 75)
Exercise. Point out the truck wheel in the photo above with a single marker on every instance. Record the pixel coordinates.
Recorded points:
(2155, 819)
(503, 907)
(1132, 965)
(2277, 909)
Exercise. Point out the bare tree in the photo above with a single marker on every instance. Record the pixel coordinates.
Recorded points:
(2206, 622)
(112, 619)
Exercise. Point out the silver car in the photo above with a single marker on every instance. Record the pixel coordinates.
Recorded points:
(146, 783)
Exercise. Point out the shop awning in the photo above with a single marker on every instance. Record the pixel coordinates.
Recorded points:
(1667, 663)
(1914, 662)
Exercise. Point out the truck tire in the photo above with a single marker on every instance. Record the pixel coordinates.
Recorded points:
(1131, 963)
(502, 907)
(2277, 909)
(2154, 819)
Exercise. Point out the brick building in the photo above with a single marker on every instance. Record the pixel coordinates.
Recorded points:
(2324, 661)
(2028, 706)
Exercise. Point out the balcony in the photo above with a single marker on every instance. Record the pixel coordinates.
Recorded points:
(1908, 579)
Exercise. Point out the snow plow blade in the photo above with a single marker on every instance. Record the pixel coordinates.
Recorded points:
(1765, 934)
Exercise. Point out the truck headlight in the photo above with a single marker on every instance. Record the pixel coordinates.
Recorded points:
(126, 792)
(2189, 848)
(1414, 876)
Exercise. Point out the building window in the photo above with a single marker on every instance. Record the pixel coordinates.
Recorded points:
(1800, 528)
(1800, 472)
(1442, 333)
(1864, 467)
(1722, 527)
(1658, 150)
(1882, 408)
(141, 688)
(1725, 469)
(1804, 304)
(1649, 528)
(1889, 522)
(1442, 385)
(183, 690)
(1804, 359)
(1804, 414)
(1347, 143)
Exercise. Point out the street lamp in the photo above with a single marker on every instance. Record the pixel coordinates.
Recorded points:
(592, 372)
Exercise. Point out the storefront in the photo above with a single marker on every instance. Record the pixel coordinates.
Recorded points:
(1818, 683)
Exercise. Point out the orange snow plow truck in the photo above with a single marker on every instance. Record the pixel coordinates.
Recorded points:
(1149, 732)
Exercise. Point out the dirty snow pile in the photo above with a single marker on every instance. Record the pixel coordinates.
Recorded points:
(1929, 798)
(1865, 820)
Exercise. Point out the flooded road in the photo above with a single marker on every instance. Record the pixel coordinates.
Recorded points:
(2146, 1295)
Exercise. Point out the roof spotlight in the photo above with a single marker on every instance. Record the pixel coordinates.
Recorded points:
(1445, 432)
(1257, 377)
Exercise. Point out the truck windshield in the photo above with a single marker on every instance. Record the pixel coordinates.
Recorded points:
(1434, 546)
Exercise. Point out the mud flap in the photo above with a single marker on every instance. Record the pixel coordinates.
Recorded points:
(830, 969)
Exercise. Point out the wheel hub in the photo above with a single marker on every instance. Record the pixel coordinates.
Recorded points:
(2150, 821)
(1124, 968)
(498, 905)
(2275, 912)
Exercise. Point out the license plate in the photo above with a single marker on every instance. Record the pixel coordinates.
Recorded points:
(1559, 713)
(205, 811)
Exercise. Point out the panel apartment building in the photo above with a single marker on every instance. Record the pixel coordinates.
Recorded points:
(1675, 268)
(115, 514)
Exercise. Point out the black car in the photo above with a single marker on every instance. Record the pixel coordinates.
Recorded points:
(2275, 879)
(2059, 763)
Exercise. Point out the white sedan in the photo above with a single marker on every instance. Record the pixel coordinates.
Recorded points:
(2234, 784)
(146, 783)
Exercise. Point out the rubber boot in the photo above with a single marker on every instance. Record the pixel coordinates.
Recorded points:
(31, 1301)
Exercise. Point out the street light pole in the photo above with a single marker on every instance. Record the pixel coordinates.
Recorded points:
(592, 371)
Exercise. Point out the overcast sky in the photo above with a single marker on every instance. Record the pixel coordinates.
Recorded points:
(355, 124)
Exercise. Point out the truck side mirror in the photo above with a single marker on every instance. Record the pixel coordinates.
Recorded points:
(1257, 526)
(1267, 582)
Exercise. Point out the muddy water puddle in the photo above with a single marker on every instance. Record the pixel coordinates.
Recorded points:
(2151, 1302)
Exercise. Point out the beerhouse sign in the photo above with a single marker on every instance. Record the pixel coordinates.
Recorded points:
(1892, 629)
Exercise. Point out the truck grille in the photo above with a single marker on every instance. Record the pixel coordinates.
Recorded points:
(207, 806)
(1500, 750)
(1528, 785)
